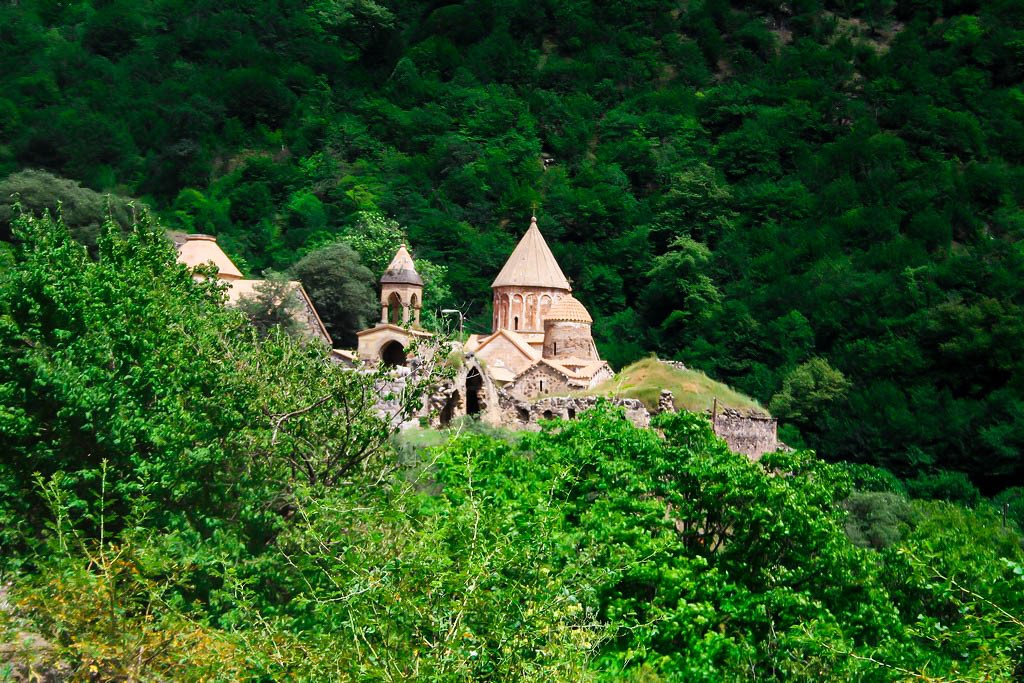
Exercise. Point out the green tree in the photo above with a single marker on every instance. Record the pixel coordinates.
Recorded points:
(807, 392)
(342, 289)
(82, 210)
(274, 303)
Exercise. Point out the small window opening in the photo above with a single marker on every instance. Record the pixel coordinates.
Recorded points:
(542, 385)
(515, 322)
(572, 413)
(554, 347)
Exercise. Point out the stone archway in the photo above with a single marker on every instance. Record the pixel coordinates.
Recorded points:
(392, 353)
(474, 385)
(448, 411)
(395, 309)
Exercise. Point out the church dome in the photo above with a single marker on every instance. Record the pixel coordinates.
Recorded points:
(568, 309)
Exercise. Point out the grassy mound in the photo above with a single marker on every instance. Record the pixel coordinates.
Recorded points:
(692, 389)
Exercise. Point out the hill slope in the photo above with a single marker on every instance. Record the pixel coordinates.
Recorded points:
(691, 389)
(746, 186)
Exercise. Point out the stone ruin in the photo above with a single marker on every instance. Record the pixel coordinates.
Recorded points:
(519, 414)
(472, 392)
(751, 433)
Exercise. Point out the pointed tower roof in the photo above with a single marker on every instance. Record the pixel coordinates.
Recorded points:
(402, 270)
(532, 264)
(200, 249)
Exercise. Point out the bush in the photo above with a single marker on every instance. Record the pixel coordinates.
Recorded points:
(876, 519)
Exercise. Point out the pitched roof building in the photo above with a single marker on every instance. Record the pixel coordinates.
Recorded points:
(197, 250)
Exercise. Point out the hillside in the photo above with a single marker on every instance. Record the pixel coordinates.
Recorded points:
(691, 389)
(820, 196)
(188, 497)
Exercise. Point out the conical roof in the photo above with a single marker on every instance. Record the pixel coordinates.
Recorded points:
(402, 270)
(201, 249)
(532, 264)
(569, 309)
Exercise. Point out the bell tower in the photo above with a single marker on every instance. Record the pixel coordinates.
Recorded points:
(401, 291)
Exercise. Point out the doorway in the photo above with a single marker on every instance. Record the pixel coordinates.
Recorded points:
(474, 385)
(392, 353)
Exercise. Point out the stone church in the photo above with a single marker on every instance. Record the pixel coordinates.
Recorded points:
(540, 341)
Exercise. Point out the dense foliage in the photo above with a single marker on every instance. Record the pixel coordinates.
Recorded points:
(185, 498)
(746, 185)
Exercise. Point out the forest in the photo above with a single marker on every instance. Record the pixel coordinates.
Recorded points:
(817, 202)
(821, 193)
(185, 497)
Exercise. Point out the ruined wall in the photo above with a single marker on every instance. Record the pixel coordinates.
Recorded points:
(563, 339)
(539, 380)
(470, 392)
(752, 434)
(519, 414)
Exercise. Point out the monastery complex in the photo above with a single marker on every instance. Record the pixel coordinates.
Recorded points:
(533, 364)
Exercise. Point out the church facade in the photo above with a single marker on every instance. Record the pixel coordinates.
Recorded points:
(540, 341)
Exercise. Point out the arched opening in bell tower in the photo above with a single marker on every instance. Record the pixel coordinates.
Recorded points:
(395, 309)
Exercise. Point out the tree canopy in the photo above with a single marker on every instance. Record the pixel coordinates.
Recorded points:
(819, 180)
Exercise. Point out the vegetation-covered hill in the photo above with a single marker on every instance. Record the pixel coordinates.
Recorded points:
(817, 195)
(692, 390)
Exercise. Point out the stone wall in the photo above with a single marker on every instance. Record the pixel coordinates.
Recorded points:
(501, 351)
(310, 321)
(539, 380)
(752, 434)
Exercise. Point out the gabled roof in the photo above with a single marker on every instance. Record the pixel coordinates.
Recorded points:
(381, 327)
(532, 264)
(197, 250)
(238, 289)
(576, 368)
(515, 339)
(402, 270)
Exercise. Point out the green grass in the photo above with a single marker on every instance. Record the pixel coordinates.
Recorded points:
(692, 389)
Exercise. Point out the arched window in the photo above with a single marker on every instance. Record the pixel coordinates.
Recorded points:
(516, 322)
(395, 309)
